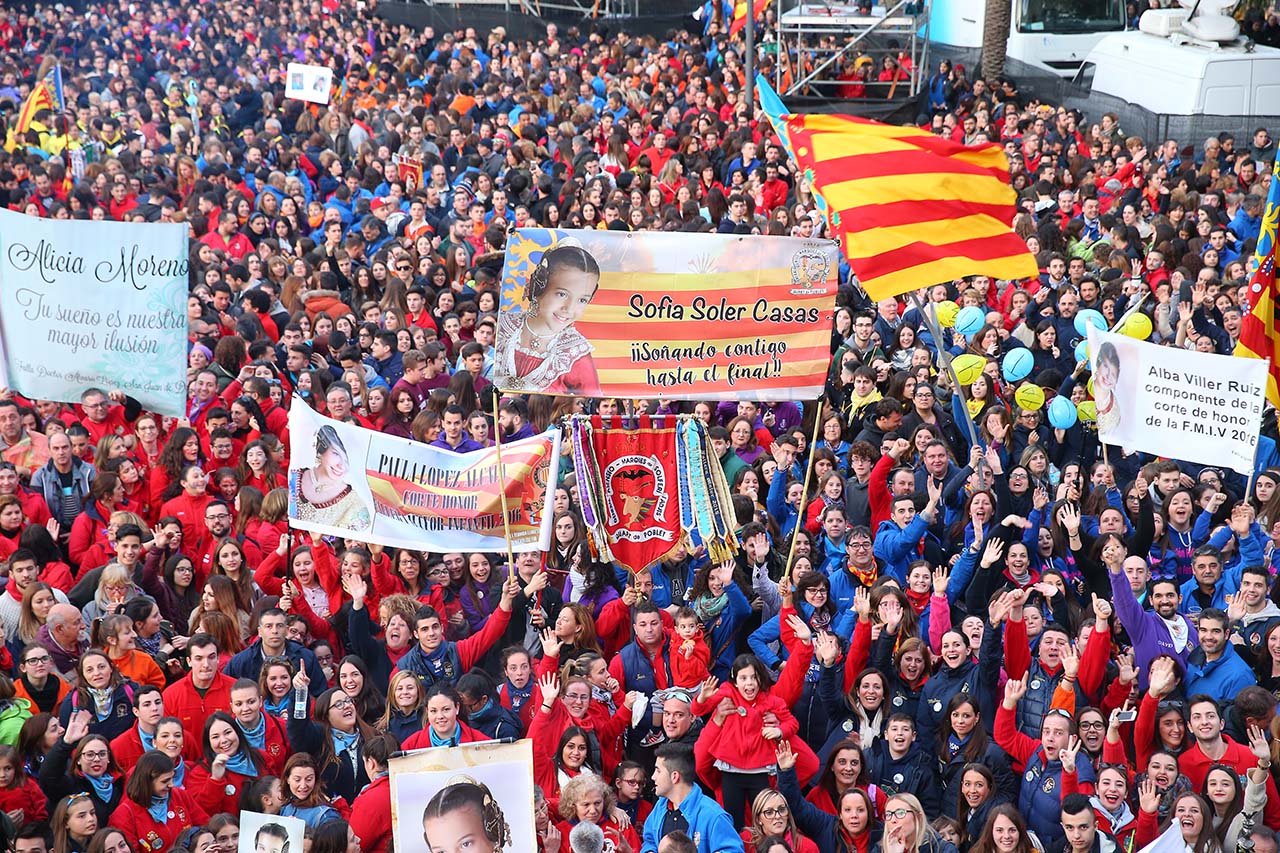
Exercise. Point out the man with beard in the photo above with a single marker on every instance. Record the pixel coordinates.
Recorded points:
(1162, 632)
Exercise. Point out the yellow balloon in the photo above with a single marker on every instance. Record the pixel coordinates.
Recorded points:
(1029, 397)
(1137, 326)
(1088, 410)
(1089, 386)
(968, 367)
(946, 313)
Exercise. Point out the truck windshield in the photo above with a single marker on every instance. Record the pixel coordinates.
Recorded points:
(1070, 16)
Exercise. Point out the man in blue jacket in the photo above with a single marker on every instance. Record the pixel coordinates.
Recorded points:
(683, 807)
(273, 642)
(898, 540)
(1215, 669)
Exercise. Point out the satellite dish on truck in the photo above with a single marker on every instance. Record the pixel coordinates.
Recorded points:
(1201, 22)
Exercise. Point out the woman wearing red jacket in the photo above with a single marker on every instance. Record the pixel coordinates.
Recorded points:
(444, 728)
(153, 813)
(229, 764)
(106, 494)
(568, 731)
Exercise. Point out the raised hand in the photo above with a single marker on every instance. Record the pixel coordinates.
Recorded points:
(891, 613)
(550, 643)
(1101, 609)
(1128, 671)
(549, 685)
(77, 727)
(356, 587)
(786, 758)
(1148, 796)
(900, 448)
(1069, 515)
(1163, 677)
(800, 628)
(826, 648)
(1071, 663)
(708, 688)
(862, 603)
(992, 552)
(1068, 755)
(1014, 690)
(1258, 744)
(941, 577)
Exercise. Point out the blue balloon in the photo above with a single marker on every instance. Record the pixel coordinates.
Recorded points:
(970, 320)
(1089, 317)
(1082, 351)
(1062, 413)
(1018, 364)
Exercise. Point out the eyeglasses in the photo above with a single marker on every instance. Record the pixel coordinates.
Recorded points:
(1093, 724)
(343, 703)
(39, 660)
(636, 782)
(214, 516)
(95, 755)
(861, 546)
(577, 697)
(897, 813)
(780, 811)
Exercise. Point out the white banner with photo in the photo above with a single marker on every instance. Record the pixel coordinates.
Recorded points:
(1176, 403)
(94, 305)
(482, 792)
(311, 83)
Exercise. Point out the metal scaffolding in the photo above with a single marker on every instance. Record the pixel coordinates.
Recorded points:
(824, 45)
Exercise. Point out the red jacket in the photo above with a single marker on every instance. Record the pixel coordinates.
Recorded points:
(147, 835)
(422, 739)
(127, 749)
(275, 746)
(189, 511)
(740, 743)
(29, 798)
(89, 529)
(222, 795)
(547, 727)
(371, 816)
(1194, 764)
(182, 701)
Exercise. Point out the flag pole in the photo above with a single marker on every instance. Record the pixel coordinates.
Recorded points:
(1253, 466)
(502, 485)
(945, 358)
(804, 493)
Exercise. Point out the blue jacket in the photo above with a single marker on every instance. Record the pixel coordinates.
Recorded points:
(722, 632)
(1223, 678)
(709, 825)
(248, 664)
(897, 545)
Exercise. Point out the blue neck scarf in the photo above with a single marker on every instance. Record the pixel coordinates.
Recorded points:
(955, 744)
(242, 764)
(159, 809)
(453, 740)
(148, 741)
(343, 742)
(277, 708)
(257, 736)
(179, 773)
(519, 695)
(103, 786)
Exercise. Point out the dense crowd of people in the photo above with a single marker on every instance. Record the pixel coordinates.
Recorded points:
(974, 632)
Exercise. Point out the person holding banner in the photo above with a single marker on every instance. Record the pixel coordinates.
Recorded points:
(540, 350)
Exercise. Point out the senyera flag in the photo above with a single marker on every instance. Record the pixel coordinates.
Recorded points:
(345, 480)
(909, 207)
(674, 316)
(1259, 330)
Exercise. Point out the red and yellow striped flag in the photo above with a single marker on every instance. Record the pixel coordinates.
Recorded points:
(911, 209)
(740, 14)
(1260, 328)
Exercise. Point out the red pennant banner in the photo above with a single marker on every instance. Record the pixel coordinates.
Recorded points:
(641, 496)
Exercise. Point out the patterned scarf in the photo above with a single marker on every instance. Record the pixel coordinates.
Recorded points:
(101, 701)
(708, 606)
(103, 786)
(866, 577)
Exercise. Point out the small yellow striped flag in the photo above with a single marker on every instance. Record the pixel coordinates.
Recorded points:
(911, 209)
(740, 14)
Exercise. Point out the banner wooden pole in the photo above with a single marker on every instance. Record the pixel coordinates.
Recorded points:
(804, 494)
(502, 485)
(945, 358)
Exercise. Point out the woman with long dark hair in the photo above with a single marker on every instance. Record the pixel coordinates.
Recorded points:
(228, 763)
(962, 741)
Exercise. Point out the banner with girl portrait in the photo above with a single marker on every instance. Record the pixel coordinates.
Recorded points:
(478, 793)
(672, 315)
(1176, 403)
(348, 481)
